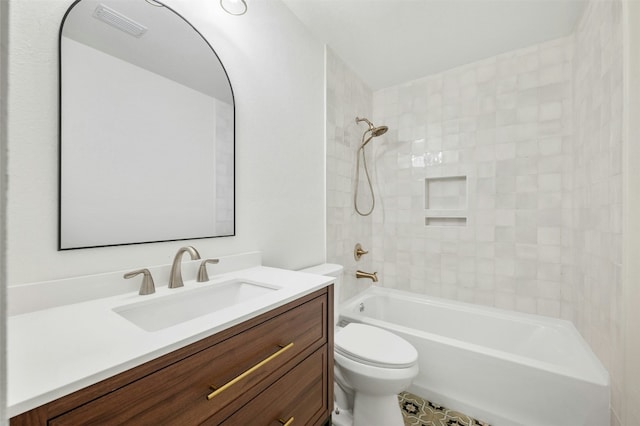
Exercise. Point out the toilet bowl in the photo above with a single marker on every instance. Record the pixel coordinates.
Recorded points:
(371, 367)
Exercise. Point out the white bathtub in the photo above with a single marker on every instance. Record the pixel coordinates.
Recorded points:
(503, 367)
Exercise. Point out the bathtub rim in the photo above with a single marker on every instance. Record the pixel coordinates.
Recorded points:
(596, 373)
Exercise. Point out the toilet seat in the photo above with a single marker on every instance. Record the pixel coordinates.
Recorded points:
(374, 346)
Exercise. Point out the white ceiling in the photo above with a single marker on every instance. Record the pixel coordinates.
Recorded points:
(388, 42)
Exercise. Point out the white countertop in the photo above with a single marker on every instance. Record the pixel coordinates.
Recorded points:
(55, 351)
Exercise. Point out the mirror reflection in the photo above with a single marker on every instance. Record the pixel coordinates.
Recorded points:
(146, 128)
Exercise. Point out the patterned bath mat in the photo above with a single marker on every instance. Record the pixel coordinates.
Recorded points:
(420, 412)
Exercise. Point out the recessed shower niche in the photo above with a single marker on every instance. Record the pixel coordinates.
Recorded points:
(445, 201)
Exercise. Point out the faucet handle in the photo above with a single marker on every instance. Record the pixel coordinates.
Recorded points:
(203, 277)
(358, 251)
(147, 286)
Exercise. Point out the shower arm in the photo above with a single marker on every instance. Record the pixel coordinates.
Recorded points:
(371, 126)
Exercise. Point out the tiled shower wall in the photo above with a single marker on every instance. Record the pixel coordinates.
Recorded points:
(502, 127)
(532, 141)
(597, 188)
(347, 98)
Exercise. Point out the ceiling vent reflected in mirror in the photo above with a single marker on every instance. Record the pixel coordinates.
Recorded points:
(119, 21)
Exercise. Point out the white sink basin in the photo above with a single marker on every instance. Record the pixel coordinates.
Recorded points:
(166, 311)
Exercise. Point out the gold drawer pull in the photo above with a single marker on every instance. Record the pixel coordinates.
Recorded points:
(286, 422)
(230, 383)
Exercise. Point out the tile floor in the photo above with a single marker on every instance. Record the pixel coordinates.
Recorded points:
(420, 412)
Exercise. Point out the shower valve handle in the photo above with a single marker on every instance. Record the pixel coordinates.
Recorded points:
(358, 251)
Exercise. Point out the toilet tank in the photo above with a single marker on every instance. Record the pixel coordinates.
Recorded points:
(330, 270)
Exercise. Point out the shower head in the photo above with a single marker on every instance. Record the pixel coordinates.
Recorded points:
(379, 131)
(375, 131)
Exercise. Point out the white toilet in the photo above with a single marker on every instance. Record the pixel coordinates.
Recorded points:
(372, 366)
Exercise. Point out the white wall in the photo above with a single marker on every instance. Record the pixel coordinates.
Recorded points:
(630, 300)
(347, 98)
(597, 197)
(503, 124)
(276, 70)
(3, 204)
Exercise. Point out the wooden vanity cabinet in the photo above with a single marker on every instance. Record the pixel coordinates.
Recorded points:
(279, 364)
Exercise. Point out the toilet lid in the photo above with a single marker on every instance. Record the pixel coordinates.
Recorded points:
(374, 346)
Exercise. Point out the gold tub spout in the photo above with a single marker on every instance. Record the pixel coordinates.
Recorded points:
(372, 276)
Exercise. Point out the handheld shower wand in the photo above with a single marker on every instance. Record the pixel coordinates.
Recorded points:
(373, 133)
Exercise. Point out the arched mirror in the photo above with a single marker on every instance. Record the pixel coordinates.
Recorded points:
(146, 128)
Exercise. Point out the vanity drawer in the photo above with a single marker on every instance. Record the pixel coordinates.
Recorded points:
(299, 397)
(250, 361)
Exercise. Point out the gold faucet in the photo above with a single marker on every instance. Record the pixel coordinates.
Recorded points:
(372, 276)
(175, 280)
